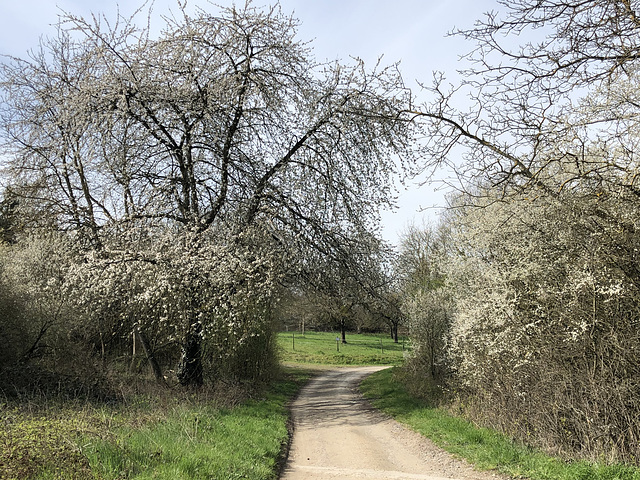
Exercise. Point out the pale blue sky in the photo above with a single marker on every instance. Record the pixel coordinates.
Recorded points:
(411, 31)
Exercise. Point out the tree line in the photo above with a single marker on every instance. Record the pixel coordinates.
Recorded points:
(523, 299)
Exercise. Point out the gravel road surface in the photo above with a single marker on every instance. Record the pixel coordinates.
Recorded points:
(339, 436)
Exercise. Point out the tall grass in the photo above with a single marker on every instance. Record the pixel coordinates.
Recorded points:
(196, 441)
(486, 449)
(163, 436)
(326, 348)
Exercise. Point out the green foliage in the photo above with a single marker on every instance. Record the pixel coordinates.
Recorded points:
(485, 448)
(322, 348)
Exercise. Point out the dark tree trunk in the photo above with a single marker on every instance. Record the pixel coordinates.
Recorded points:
(343, 330)
(394, 332)
(190, 367)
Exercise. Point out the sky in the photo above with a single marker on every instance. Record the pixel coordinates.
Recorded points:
(413, 32)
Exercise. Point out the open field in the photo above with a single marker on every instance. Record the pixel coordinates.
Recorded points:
(322, 348)
(486, 449)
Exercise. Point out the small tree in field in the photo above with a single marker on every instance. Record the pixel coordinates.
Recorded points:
(222, 134)
(350, 283)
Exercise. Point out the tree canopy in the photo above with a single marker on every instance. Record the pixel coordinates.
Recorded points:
(212, 156)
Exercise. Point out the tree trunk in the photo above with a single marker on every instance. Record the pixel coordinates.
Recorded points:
(394, 332)
(190, 367)
(343, 330)
(148, 351)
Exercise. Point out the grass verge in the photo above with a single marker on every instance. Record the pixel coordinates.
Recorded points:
(486, 449)
(322, 348)
(149, 438)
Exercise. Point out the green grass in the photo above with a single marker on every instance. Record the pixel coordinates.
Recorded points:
(322, 348)
(486, 449)
(184, 438)
(196, 442)
(199, 441)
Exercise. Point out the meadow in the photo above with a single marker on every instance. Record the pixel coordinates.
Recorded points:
(326, 348)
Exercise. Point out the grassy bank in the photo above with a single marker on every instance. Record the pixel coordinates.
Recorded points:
(484, 448)
(322, 348)
(162, 436)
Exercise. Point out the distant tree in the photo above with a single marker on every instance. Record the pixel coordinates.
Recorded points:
(419, 261)
(350, 284)
(420, 269)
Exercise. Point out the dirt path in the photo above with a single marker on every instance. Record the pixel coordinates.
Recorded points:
(338, 436)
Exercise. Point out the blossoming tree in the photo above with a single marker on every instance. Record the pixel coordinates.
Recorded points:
(189, 162)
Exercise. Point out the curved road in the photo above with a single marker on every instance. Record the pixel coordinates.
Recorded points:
(339, 436)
